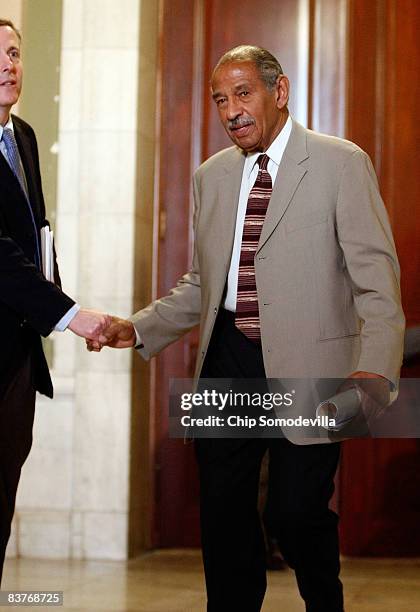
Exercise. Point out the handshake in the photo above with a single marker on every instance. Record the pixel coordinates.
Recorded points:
(101, 330)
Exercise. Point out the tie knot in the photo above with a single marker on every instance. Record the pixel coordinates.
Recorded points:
(9, 140)
(262, 161)
(7, 135)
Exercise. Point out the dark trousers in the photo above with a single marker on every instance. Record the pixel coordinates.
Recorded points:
(17, 407)
(300, 487)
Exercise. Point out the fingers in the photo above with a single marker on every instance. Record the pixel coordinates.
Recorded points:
(105, 336)
(89, 323)
(101, 330)
(374, 393)
(111, 332)
(100, 323)
(120, 334)
(93, 346)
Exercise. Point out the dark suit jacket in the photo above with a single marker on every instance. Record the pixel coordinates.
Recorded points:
(30, 306)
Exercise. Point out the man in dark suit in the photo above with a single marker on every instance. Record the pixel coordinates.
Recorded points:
(30, 306)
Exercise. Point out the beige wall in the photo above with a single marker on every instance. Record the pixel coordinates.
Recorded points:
(39, 103)
(12, 9)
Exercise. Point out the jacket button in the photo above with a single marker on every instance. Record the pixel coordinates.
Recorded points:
(215, 310)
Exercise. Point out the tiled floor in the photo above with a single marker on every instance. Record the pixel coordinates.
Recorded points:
(172, 581)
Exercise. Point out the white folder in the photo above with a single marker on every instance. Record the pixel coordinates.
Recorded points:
(47, 253)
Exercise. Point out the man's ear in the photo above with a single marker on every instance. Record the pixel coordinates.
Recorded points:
(282, 91)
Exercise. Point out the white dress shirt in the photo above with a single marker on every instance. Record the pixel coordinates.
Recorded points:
(275, 153)
(70, 314)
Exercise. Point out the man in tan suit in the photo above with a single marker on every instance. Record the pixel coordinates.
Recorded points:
(294, 275)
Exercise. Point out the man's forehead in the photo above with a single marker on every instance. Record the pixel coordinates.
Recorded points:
(234, 74)
(9, 36)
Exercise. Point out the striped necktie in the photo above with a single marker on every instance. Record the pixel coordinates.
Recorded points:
(16, 167)
(247, 318)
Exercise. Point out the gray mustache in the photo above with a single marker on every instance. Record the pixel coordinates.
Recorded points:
(240, 122)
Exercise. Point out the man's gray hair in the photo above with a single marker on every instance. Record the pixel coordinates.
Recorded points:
(267, 65)
(10, 24)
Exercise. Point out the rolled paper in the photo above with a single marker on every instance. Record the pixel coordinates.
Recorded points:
(342, 407)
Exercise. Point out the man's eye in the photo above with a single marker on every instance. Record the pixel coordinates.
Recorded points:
(220, 101)
(14, 54)
(243, 94)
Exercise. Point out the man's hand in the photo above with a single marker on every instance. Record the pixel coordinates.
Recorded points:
(89, 324)
(119, 334)
(375, 391)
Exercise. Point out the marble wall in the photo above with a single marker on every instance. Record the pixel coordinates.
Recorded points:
(74, 500)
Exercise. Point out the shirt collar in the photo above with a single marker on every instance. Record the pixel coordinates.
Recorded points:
(9, 125)
(275, 150)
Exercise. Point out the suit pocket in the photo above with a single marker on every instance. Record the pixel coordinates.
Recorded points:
(309, 220)
(338, 335)
(338, 315)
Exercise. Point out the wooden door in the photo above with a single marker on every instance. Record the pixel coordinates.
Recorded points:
(379, 484)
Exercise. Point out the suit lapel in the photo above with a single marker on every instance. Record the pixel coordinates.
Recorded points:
(289, 175)
(11, 192)
(24, 146)
(8, 178)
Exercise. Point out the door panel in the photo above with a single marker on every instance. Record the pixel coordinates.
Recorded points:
(379, 484)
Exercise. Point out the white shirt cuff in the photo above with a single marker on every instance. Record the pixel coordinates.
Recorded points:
(68, 317)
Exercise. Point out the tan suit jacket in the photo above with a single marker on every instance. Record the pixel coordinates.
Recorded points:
(326, 269)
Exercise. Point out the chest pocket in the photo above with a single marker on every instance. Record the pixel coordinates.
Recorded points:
(308, 220)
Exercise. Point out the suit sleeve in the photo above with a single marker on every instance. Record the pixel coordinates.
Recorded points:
(365, 236)
(167, 319)
(25, 291)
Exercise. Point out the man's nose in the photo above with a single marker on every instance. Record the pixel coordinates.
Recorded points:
(233, 109)
(6, 63)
